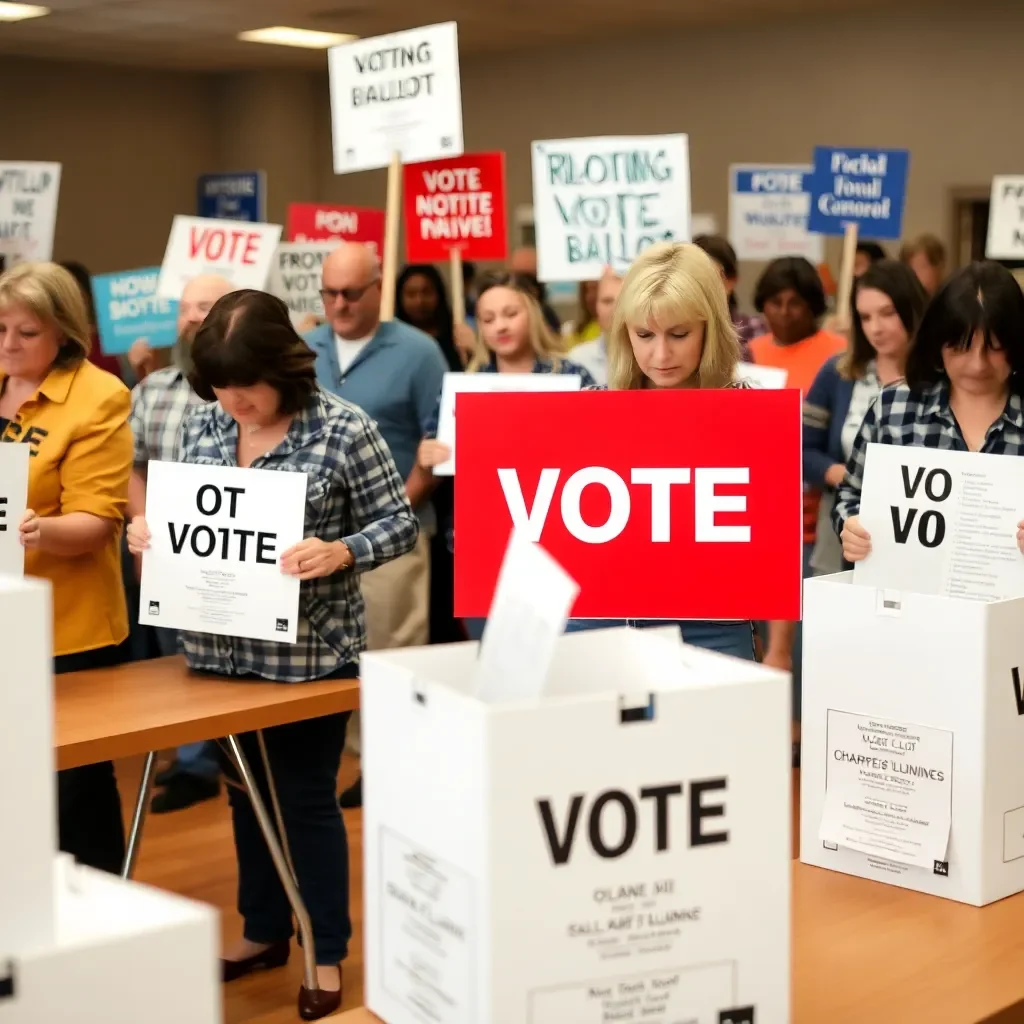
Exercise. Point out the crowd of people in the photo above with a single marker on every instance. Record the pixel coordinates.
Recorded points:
(354, 405)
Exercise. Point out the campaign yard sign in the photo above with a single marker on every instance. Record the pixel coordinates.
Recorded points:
(1006, 218)
(398, 93)
(241, 253)
(600, 202)
(238, 196)
(328, 222)
(694, 523)
(768, 209)
(128, 308)
(28, 210)
(866, 187)
(457, 203)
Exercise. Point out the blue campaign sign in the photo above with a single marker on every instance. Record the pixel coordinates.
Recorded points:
(866, 187)
(237, 196)
(128, 308)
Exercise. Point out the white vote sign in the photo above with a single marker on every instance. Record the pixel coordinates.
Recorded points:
(600, 202)
(13, 502)
(942, 522)
(1006, 218)
(771, 378)
(28, 210)
(454, 383)
(398, 93)
(218, 533)
(239, 251)
(768, 209)
(296, 277)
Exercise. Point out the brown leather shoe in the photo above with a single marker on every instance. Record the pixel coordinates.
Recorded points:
(273, 956)
(319, 1003)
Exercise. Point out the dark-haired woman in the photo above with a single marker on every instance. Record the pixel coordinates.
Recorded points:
(96, 354)
(867, 254)
(719, 249)
(963, 387)
(887, 305)
(422, 302)
(267, 412)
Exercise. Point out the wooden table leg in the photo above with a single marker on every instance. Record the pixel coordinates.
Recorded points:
(139, 817)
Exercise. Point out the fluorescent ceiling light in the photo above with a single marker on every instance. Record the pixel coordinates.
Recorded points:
(281, 35)
(21, 12)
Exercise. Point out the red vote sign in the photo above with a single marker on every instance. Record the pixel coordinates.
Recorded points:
(660, 504)
(456, 203)
(319, 222)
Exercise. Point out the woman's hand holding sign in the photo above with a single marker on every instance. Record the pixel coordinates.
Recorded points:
(432, 453)
(856, 540)
(1020, 536)
(138, 535)
(313, 558)
(30, 529)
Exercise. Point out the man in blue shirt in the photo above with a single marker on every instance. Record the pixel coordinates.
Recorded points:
(393, 372)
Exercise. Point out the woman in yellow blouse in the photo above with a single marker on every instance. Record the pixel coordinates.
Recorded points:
(74, 418)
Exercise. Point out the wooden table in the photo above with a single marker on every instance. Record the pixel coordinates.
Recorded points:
(864, 951)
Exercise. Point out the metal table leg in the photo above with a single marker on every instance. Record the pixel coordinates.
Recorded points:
(139, 817)
(280, 862)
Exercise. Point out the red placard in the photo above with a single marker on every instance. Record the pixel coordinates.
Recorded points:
(456, 203)
(323, 222)
(661, 504)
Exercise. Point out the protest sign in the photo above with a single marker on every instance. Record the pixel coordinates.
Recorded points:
(1006, 218)
(768, 209)
(600, 202)
(241, 253)
(397, 93)
(13, 502)
(456, 203)
(295, 277)
(694, 523)
(128, 308)
(323, 222)
(866, 188)
(241, 196)
(218, 533)
(28, 210)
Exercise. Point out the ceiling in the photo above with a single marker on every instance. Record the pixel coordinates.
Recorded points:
(200, 34)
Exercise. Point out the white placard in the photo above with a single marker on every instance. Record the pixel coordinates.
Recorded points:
(28, 210)
(531, 605)
(239, 251)
(942, 522)
(888, 789)
(296, 277)
(1006, 218)
(768, 209)
(218, 533)
(600, 202)
(13, 502)
(396, 93)
(770, 377)
(454, 383)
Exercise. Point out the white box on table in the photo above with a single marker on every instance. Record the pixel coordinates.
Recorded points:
(538, 862)
(123, 953)
(27, 790)
(931, 661)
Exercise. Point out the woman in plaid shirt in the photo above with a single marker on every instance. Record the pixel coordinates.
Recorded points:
(963, 388)
(267, 412)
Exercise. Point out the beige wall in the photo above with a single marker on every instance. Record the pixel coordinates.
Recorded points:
(947, 86)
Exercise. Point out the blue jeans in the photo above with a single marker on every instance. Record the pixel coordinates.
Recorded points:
(732, 638)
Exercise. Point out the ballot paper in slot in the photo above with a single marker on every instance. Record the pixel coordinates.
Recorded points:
(640, 849)
(13, 501)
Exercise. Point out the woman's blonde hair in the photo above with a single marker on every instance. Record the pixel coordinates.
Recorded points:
(673, 283)
(52, 295)
(547, 344)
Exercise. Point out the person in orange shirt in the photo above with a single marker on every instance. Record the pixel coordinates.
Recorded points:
(791, 298)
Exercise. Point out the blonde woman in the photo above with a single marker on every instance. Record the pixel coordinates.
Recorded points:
(672, 329)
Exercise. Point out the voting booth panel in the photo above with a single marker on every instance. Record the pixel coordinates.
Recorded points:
(936, 666)
(619, 846)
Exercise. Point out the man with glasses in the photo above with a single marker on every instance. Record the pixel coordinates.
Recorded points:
(393, 372)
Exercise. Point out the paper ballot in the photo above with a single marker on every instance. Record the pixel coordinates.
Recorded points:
(531, 605)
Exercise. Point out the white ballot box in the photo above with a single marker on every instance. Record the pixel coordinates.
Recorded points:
(123, 954)
(616, 849)
(912, 735)
(27, 791)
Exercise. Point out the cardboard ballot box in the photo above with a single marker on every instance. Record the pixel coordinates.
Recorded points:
(618, 849)
(122, 954)
(912, 727)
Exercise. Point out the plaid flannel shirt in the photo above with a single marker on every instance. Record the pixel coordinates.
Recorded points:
(353, 494)
(922, 418)
(160, 404)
